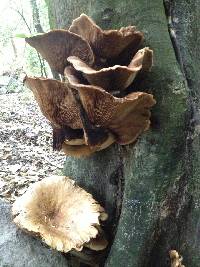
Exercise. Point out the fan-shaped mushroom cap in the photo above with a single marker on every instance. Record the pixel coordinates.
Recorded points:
(84, 150)
(57, 45)
(98, 243)
(56, 101)
(60, 107)
(125, 117)
(64, 215)
(105, 43)
(116, 77)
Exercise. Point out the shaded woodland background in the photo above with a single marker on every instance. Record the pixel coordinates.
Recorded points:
(18, 19)
(26, 154)
(150, 190)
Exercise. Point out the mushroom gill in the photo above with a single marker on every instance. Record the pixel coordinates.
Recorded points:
(64, 215)
(59, 106)
(126, 118)
(106, 43)
(56, 101)
(72, 131)
(57, 45)
(116, 77)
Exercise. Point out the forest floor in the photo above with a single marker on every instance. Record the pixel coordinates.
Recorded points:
(26, 154)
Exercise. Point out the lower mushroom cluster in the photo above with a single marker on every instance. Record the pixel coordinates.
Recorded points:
(176, 259)
(64, 215)
(96, 65)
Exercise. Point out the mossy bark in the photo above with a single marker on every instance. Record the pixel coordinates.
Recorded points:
(150, 189)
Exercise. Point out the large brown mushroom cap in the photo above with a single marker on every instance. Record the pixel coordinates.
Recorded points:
(64, 215)
(116, 77)
(125, 117)
(59, 106)
(57, 45)
(56, 101)
(105, 43)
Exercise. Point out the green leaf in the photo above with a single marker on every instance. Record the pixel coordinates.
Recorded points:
(22, 35)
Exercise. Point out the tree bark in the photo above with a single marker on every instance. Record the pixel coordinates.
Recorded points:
(150, 189)
(36, 16)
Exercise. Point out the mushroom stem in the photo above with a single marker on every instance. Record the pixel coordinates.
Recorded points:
(94, 135)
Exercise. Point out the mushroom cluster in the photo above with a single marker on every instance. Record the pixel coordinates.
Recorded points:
(176, 259)
(64, 215)
(85, 109)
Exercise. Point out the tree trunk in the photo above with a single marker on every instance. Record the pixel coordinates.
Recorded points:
(36, 16)
(150, 189)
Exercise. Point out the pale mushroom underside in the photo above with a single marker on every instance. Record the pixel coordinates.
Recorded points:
(64, 215)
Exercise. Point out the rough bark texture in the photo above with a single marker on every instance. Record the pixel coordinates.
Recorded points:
(151, 189)
(36, 16)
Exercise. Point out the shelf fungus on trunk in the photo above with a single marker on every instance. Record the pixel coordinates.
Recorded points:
(64, 215)
(57, 45)
(106, 43)
(72, 130)
(126, 118)
(83, 112)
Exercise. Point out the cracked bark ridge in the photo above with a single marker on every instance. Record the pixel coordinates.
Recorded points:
(183, 29)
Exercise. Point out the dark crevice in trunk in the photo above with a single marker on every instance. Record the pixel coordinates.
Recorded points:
(169, 11)
(169, 6)
(172, 34)
(117, 178)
